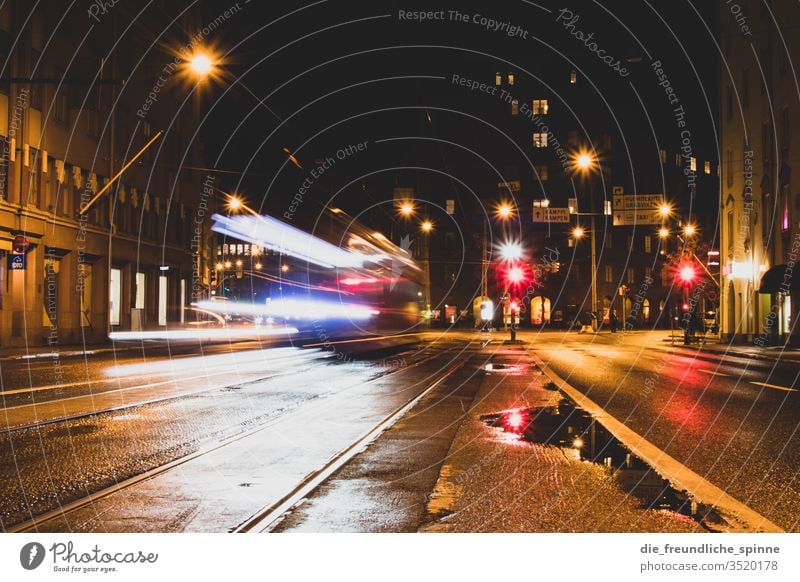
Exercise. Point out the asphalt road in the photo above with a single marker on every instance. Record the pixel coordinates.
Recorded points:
(733, 420)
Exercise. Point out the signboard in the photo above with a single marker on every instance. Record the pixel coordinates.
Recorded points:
(17, 262)
(637, 209)
(513, 185)
(550, 214)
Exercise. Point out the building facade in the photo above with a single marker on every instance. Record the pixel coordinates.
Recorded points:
(759, 200)
(73, 112)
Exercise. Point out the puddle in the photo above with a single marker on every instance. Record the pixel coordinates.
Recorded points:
(585, 439)
(512, 369)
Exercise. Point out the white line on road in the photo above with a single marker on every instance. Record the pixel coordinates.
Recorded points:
(712, 372)
(775, 386)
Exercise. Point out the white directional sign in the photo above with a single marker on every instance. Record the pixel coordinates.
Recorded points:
(636, 209)
(550, 214)
(513, 185)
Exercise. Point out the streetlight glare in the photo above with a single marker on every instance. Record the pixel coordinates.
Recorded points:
(665, 210)
(504, 210)
(201, 64)
(426, 226)
(663, 232)
(584, 161)
(511, 251)
(235, 203)
(689, 230)
(406, 209)
(578, 232)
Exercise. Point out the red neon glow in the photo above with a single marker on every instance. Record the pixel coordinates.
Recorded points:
(687, 273)
(516, 275)
(357, 281)
(515, 419)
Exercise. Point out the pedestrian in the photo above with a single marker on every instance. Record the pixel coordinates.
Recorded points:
(613, 321)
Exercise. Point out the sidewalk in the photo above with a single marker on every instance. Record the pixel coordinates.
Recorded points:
(715, 345)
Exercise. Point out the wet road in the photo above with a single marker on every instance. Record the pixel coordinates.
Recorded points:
(733, 420)
(46, 466)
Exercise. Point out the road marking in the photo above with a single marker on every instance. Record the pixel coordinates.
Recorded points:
(776, 387)
(712, 372)
(681, 476)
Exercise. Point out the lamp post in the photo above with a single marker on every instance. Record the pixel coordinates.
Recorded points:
(584, 163)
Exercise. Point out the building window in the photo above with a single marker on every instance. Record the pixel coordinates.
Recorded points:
(631, 276)
(61, 108)
(607, 241)
(609, 272)
(498, 79)
(572, 138)
(663, 156)
(450, 207)
(539, 140)
(648, 273)
(730, 231)
(514, 107)
(540, 107)
(648, 244)
(573, 77)
(542, 173)
(511, 78)
(707, 167)
(693, 163)
(678, 160)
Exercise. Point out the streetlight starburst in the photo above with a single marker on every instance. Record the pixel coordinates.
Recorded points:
(510, 251)
(504, 210)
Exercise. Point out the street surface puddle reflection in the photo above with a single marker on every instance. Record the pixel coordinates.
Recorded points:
(583, 438)
(511, 369)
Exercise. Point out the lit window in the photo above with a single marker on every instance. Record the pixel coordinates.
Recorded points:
(450, 207)
(609, 274)
(539, 140)
(693, 163)
(511, 78)
(707, 167)
(540, 107)
(678, 160)
(573, 77)
(647, 244)
(572, 138)
(648, 273)
(498, 79)
(631, 276)
(514, 107)
(663, 156)
(542, 173)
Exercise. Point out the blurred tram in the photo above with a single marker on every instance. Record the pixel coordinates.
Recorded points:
(341, 276)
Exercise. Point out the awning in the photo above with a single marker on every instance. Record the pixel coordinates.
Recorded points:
(780, 278)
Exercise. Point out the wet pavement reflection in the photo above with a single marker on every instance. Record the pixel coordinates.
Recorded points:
(583, 438)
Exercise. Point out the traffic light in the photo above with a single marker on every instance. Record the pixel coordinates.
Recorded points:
(515, 275)
(687, 274)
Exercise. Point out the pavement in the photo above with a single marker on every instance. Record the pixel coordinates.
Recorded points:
(444, 469)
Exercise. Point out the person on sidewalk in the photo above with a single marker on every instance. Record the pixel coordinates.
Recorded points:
(613, 321)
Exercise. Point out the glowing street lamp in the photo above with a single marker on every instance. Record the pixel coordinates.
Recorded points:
(406, 209)
(665, 210)
(689, 230)
(663, 232)
(426, 226)
(504, 211)
(510, 251)
(578, 232)
(201, 64)
(235, 203)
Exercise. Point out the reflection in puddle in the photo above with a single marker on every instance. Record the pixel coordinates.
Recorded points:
(583, 438)
(512, 369)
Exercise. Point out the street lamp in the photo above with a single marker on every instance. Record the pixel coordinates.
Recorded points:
(510, 251)
(406, 209)
(689, 230)
(663, 232)
(584, 163)
(426, 226)
(504, 210)
(665, 210)
(201, 64)
(578, 232)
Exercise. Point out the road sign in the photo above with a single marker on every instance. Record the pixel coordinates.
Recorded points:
(550, 214)
(513, 185)
(17, 262)
(637, 209)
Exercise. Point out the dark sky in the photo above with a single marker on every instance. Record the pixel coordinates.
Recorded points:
(334, 73)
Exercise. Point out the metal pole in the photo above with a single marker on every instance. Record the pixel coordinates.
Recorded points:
(594, 275)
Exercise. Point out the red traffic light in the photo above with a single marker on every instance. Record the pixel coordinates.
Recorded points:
(687, 273)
